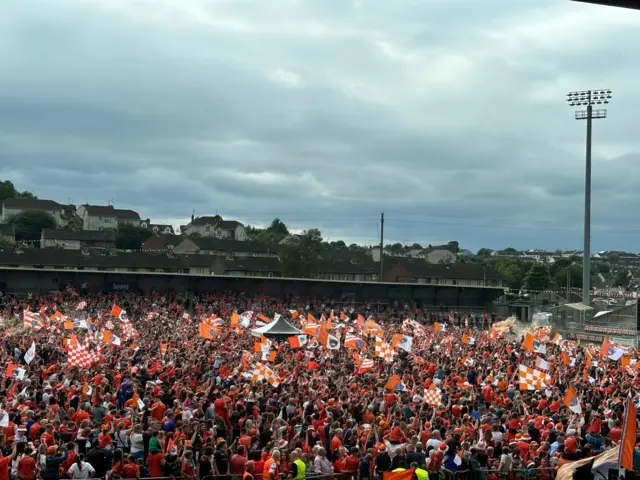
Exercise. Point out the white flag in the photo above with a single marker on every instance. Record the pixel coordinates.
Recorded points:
(333, 343)
(542, 364)
(406, 343)
(30, 354)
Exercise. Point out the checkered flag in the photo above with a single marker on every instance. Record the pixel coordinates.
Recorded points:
(432, 397)
(384, 350)
(82, 357)
(531, 379)
(262, 372)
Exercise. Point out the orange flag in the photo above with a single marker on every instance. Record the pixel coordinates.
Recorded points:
(206, 331)
(403, 475)
(68, 325)
(163, 348)
(628, 441)
(604, 350)
(235, 319)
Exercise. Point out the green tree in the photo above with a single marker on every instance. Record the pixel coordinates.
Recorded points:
(130, 237)
(575, 276)
(278, 228)
(613, 258)
(484, 252)
(621, 279)
(8, 190)
(454, 246)
(513, 271)
(75, 224)
(538, 277)
(604, 267)
(301, 256)
(354, 247)
(395, 248)
(29, 224)
(338, 246)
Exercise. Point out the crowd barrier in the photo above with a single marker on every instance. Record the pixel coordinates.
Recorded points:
(523, 474)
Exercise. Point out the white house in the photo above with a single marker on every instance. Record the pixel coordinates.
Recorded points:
(215, 227)
(12, 206)
(439, 254)
(98, 217)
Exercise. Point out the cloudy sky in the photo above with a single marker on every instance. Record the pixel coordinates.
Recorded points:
(448, 115)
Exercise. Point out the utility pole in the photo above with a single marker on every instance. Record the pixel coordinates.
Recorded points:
(381, 246)
(568, 285)
(588, 98)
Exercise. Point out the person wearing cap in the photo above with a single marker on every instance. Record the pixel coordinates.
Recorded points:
(53, 461)
(383, 460)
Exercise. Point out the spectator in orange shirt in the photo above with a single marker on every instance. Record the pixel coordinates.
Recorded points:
(157, 409)
(47, 436)
(336, 442)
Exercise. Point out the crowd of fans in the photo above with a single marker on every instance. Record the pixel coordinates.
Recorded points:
(166, 402)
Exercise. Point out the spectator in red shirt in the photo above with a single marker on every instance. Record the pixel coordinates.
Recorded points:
(131, 468)
(27, 466)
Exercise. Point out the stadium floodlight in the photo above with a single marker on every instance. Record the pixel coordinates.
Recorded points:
(588, 98)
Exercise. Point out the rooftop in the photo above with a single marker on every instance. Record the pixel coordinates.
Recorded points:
(31, 203)
(80, 235)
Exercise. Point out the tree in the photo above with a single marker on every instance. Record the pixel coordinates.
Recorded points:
(621, 279)
(613, 258)
(130, 237)
(538, 277)
(575, 276)
(337, 246)
(278, 228)
(395, 248)
(29, 224)
(301, 256)
(484, 252)
(8, 190)
(75, 224)
(513, 271)
(454, 246)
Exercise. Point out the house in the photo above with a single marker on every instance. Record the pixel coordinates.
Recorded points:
(247, 266)
(350, 266)
(7, 233)
(159, 242)
(77, 240)
(12, 206)
(215, 227)
(99, 217)
(439, 254)
(409, 270)
(127, 217)
(226, 248)
(157, 228)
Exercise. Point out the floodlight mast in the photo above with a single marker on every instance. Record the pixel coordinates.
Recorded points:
(588, 98)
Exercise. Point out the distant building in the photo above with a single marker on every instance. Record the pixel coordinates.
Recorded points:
(159, 242)
(215, 227)
(156, 227)
(439, 254)
(13, 206)
(228, 248)
(99, 217)
(77, 240)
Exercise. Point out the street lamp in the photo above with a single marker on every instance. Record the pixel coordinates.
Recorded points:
(588, 99)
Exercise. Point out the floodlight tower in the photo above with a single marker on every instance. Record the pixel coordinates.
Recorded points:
(588, 99)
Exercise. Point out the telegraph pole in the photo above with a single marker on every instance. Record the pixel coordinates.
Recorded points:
(588, 98)
(381, 246)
